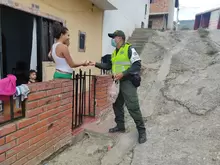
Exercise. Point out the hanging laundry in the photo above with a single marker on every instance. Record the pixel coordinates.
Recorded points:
(7, 87)
(21, 94)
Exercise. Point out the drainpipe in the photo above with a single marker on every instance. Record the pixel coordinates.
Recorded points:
(171, 7)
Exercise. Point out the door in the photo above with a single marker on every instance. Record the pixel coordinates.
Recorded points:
(150, 24)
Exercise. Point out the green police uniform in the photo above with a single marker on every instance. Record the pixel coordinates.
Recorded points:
(121, 63)
(128, 92)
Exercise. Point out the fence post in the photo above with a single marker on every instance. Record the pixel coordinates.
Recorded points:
(73, 101)
(94, 96)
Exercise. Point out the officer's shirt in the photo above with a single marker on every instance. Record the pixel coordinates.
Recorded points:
(135, 61)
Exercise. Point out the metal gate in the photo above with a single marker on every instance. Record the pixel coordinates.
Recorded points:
(84, 97)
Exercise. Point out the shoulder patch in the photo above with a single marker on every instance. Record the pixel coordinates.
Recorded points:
(135, 56)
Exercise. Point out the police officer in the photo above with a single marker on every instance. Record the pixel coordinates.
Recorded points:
(125, 64)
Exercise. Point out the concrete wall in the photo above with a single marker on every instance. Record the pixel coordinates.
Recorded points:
(128, 17)
(171, 9)
(213, 23)
(78, 16)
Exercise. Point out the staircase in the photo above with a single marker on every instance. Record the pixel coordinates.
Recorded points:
(139, 37)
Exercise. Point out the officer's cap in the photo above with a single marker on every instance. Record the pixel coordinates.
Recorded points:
(117, 33)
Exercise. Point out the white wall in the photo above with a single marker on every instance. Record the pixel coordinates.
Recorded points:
(129, 16)
(213, 23)
(171, 10)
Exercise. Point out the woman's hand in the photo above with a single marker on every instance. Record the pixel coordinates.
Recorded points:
(86, 63)
(91, 63)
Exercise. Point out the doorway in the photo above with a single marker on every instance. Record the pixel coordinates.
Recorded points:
(142, 25)
(150, 24)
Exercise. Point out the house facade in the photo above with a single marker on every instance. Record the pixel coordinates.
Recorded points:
(127, 16)
(84, 19)
(54, 111)
(209, 19)
(162, 14)
(87, 21)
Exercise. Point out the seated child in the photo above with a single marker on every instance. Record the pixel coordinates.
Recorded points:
(32, 76)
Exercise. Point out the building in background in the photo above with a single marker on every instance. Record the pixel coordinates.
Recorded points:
(186, 25)
(162, 14)
(127, 16)
(209, 19)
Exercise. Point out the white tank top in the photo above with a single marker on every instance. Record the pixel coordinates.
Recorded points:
(61, 63)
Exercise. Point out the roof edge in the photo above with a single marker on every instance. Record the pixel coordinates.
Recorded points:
(207, 11)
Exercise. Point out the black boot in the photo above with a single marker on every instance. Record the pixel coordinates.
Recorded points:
(116, 129)
(142, 137)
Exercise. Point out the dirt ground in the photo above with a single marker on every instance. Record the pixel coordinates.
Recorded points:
(180, 101)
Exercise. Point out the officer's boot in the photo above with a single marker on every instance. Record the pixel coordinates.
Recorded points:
(142, 132)
(117, 129)
(142, 137)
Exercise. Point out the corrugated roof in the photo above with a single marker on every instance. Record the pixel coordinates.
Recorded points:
(207, 11)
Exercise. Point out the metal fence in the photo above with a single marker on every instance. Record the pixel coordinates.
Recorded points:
(84, 94)
(9, 112)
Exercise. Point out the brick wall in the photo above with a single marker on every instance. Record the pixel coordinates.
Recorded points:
(159, 6)
(102, 102)
(47, 125)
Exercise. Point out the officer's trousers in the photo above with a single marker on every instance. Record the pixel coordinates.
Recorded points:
(128, 96)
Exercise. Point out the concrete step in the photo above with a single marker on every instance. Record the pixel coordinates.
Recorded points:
(140, 35)
(134, 44)
(143, 29)
(139, 38)
(136, 41)
(143, 33)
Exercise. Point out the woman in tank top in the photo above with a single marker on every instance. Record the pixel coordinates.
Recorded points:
(61, 55)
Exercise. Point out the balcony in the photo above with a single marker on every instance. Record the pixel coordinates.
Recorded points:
(104, 4)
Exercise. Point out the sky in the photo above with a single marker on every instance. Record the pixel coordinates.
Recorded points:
(189, 8)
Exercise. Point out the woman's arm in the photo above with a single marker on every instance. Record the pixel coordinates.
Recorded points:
(69, 59)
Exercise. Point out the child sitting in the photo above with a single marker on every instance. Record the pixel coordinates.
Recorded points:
(32, 76)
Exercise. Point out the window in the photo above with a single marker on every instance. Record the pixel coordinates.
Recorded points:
(21, 49)
(48, 40)
(82, 41)
(15, 57)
